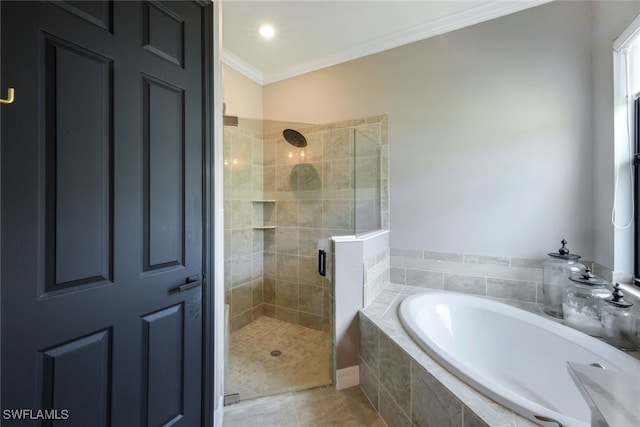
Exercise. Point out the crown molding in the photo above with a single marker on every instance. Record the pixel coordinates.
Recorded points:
(476, 15)
(242, 66)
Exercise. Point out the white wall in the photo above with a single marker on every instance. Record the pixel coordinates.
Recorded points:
(490, 131)
(242, 96)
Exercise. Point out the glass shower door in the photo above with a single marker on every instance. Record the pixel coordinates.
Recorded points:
(279, 306)
(283, 201)
(367, 183)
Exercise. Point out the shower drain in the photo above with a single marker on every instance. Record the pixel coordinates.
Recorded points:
(276, 353)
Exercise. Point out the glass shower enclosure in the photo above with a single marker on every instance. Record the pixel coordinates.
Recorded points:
(368, 182)
(283, 201)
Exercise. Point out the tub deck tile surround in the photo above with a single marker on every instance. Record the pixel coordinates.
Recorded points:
(395, 372)
(436, 397)
(438, 406)
(390, 411)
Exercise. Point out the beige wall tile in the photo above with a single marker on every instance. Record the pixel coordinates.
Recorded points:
(309, 176)
(269, 289)
(308, 271)
(287, 295)
(241, 299)
(310, 298)
(287, 268)
(308, 241)
(287, 241)
(287, 213)
(310, 213)
(269, 178)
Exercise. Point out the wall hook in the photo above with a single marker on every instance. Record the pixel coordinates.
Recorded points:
(10, 96)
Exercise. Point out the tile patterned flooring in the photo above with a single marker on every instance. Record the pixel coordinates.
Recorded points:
(320, 407)
(303, 364)
(297, 381)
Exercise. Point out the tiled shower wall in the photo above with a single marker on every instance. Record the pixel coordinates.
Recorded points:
(244, 253)
(312, 187)
(306, 195)
(314, 192)
(294, 291)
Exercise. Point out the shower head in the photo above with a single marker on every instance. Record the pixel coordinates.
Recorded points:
(294, 138)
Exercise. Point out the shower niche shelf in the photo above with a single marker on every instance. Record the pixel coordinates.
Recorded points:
(264, 214)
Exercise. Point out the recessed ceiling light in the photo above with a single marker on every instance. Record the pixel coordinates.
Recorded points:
(267, 31)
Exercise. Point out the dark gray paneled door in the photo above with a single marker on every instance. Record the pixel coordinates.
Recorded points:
(102, 212)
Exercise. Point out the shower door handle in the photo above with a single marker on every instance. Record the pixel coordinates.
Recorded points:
(322, 262)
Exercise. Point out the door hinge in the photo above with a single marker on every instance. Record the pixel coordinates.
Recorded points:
(231, 399)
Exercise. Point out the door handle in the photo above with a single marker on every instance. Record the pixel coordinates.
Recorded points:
(190, 283)
(10, 96)
(322, 262)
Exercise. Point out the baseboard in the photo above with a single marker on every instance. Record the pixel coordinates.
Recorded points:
(347, 377)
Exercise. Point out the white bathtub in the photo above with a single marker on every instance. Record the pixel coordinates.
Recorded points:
(516, 358)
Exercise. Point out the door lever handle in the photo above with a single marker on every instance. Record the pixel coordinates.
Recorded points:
(10, 96)
(190, 283)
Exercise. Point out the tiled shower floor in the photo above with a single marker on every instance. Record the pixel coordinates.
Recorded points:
(254, 372)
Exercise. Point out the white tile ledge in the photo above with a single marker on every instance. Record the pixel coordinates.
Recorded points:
(360, 238)
(631, 290)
